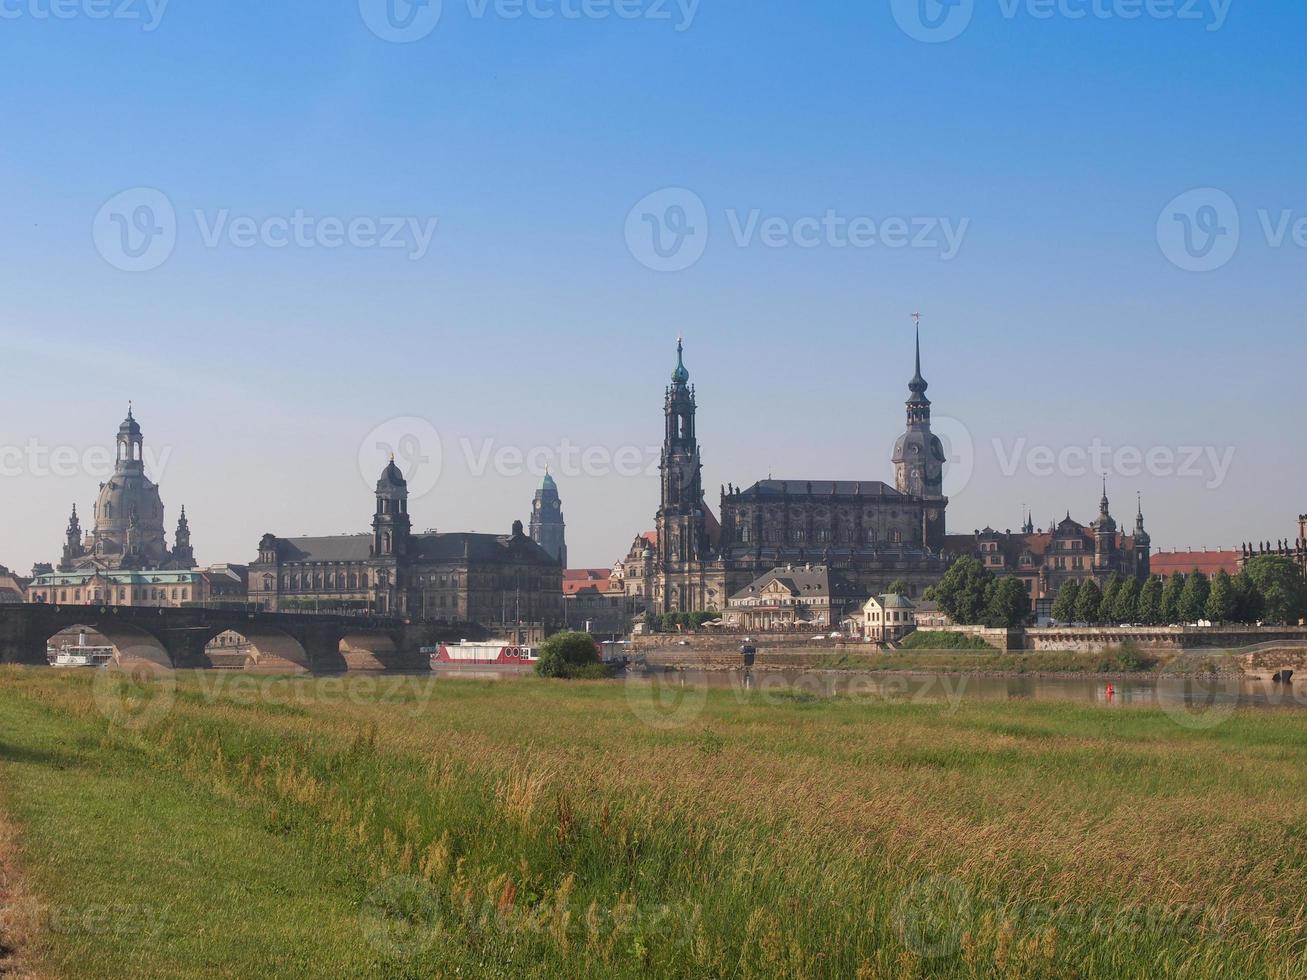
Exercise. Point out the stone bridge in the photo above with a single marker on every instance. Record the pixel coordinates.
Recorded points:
(178, 637)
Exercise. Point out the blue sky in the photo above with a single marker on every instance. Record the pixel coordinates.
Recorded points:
(1053, 145)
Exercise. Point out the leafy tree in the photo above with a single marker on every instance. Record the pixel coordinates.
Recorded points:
(1125, 609)
(1064, 606)
(1149, 607)
(1249, 604)
(1280, 583)
(1171, 593)
(569, 655)
(1222, 600)
(1107, 605)
(1089, 602)
(898, 587)
(1193, 600)
(962, 593)
(1007, 604)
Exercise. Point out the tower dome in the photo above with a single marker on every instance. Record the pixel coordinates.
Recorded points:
(680, 376)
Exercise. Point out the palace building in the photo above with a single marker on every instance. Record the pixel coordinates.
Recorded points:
(506, 583)
(867, 533)
(1068, 551)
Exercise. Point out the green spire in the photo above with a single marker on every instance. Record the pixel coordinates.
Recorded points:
(680, 376)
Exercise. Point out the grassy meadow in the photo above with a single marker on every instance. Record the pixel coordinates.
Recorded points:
(218, 825)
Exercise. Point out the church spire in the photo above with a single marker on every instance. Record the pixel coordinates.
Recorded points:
(918, 384)
(680, 376)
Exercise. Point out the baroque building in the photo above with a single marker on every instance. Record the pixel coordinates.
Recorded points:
(547, 528)
(506, 583)
(128, 533)
(866, 532)
(1068, 551)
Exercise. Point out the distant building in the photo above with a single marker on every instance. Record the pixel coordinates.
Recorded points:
(1167, 563)
(1069, 551)
(167, 588)
(888, 618)
(595, 601)
(789, 598)
(504, 582)
(128, 532)
(1297, 549)
(548, 529)
(12, 588)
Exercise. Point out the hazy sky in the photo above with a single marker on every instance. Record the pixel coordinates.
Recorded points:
(294, 234)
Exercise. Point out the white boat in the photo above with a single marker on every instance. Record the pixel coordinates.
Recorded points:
(80, 655)
(497, 652)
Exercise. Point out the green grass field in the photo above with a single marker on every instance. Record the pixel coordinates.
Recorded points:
(404, 827)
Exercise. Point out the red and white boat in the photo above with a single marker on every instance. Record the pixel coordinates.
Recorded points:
(493, 652)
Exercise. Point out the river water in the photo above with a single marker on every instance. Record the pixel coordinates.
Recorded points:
(1185, 693)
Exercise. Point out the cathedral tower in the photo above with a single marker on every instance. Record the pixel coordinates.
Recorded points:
(919, 458)
(548, 529)
(183, 555)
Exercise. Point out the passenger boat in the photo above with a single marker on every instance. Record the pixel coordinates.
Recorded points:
(498, 652)
(81, 655)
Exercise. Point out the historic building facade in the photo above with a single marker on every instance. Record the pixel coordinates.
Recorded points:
(129, 531)
(1045, 560)
(868, 532)
(1297, 549)
(547, 528)
(506, 583)
(807, 598)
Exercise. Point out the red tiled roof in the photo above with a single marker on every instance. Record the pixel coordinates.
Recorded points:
(1208, 562)
(576, 580)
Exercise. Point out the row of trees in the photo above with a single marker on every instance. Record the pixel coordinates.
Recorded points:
(1270, 589)
(970, 594)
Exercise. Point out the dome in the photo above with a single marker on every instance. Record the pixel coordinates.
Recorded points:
(391, 478)
(549, 483)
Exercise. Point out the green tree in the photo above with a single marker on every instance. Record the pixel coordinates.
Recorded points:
(1150, 602)
(1222, 600)
(1280, 584)
(1193, 600)
(962, 593)
(1107, 605)
(898, 587)
(1064, 606)
(569, 655)
(1249, 605)
(1171, 593)
(1089, 602)
(1008, 604)
(1125, 609)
